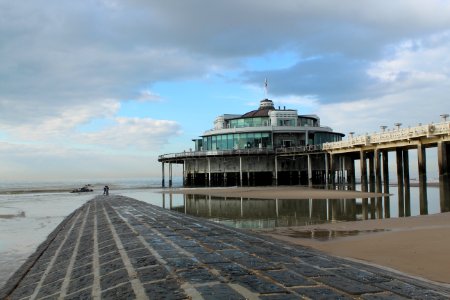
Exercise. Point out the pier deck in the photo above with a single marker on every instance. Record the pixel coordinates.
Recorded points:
(119, 248)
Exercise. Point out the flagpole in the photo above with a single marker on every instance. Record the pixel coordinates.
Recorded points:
(266, 87)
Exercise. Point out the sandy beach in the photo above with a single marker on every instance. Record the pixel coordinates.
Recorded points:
(418, 246)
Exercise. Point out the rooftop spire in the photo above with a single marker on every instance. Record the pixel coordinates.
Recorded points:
(266, 88)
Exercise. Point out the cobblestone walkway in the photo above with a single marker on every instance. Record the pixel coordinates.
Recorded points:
(119, 248)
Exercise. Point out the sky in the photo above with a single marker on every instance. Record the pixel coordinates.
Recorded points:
(100, 88)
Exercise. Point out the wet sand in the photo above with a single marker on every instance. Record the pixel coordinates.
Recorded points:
(417, 246)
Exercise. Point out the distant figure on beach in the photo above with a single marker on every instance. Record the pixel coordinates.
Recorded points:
(106, 190)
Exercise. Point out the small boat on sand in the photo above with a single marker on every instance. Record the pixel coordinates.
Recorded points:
(84, 189)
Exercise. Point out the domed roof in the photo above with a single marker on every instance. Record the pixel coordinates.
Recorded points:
(265, 106)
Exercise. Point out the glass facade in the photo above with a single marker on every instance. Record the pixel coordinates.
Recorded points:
(237, 141)
(325, 137)
(249, 122)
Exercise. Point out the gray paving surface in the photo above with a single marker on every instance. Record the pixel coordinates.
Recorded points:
(119, 248)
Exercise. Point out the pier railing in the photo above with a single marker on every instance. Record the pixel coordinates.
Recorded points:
(241, 152)
(395, 135)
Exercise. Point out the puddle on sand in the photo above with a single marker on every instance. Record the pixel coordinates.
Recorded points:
(326, 235)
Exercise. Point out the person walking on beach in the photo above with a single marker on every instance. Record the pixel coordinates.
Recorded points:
(106, 190)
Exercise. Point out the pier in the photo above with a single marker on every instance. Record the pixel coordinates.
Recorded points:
(323, 164)
(115, 247)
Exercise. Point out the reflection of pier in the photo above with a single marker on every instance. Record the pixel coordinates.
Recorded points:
(328, 163)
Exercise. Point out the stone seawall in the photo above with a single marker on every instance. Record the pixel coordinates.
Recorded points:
(120, 248)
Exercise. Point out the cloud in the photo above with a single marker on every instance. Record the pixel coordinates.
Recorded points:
(134, 133)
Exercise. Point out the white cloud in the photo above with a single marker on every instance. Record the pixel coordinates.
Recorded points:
(134, 133)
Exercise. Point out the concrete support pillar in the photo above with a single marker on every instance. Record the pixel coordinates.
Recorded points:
(240, 170)
(326, 170)
(163, 179)
(422, 168)
(401, 196)
(170, 175)
(363, 166)
(444, 176)
(184, 172)
(387, 204)
(309, 171)
(351, 172)
(406, 183)
(332, 169)
(378, 183)
(371, 172)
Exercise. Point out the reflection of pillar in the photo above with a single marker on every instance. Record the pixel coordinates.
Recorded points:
(163, 183)
(242, 207)
(163, 200)
(401, 197)
(240, 170)
(387, 206)
(365, 210)
(309, 171)
(170, 201)
(209, 171)
(185, 203)
(444, 168)
(276, 207)
(275, 172)
(209, 205)
(406, 183)
(422, 168)
(334, 205)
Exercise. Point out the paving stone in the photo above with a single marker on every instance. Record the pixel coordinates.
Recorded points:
(307, 270)
(82, 271)
(80, 283)
(219, 292)
(109, 257)
(79, 262)
(321, 293)
(24, 291)
(322, 262)
(141, 262)
(138, 253)
(85, 294)
(256, 263)
(113, 279)
(182, 263)
(288, 279)
(211, 258)
(197, 275)
(280, 297)
(50, 288)
(107, 249)
(260, 285)
(383, 296)
(231, 270)
(408, 290)
(152, 273)
(349, 286)
(124, 291)
(360, 275)
(111, 266)
(168, 289)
